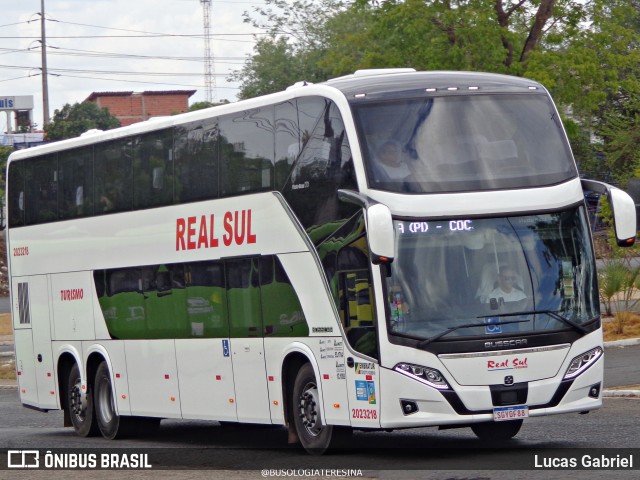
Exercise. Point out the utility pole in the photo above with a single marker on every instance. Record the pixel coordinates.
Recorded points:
(209, 81)
(45, 82)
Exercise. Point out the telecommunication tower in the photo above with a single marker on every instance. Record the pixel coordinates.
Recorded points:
(209, 80)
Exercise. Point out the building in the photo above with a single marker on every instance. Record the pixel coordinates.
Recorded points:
(133, 107)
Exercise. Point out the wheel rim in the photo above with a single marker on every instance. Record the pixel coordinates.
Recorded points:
(104, 402)
(75, 402)
(309, 409)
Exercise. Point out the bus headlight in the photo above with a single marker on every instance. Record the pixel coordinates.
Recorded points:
(428, 376)
(582, 362)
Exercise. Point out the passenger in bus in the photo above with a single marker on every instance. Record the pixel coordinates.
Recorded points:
(507, 289)
(390, 164)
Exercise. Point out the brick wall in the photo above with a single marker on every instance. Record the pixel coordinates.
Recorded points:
(130, 107)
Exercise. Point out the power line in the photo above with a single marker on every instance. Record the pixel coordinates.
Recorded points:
(146, 33)
(97, 54)
(139, 81)
(13, 24)
(18, 78)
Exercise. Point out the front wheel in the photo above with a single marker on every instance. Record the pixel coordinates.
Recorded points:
(315, 436)
(80, 405)
(497, 431)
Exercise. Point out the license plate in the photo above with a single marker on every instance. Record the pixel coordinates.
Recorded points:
(502, 414)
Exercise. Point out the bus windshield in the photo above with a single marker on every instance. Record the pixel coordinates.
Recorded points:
(490, 276)
(463, 143)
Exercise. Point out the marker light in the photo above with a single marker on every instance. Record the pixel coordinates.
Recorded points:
(428, 376)
(582, 362)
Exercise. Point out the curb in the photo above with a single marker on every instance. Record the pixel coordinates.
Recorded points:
(621, 393)
(629, 342)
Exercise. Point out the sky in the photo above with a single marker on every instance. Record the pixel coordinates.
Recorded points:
(113, 45)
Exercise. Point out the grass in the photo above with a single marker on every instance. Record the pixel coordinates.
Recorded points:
(7, 369)
(631, 327)
(7, 364)
(5, 324)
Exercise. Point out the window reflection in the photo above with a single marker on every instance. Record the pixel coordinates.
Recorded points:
(463, 143)
(455, 272)
(210, 299)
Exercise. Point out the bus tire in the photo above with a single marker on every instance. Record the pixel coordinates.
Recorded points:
(497, 431)
(315, 436)
(110, 424)
(82, 415)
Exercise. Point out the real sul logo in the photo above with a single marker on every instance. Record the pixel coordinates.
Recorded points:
(193, 233)
(508, 364)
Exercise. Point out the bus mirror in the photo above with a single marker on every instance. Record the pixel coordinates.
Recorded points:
(622, 207)
(381, 234)
(624, 216)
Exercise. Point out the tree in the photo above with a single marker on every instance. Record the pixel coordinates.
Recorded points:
(586, 53)
(272, 68)
(330, 38)
(73, 120)
(4, 156)
(202, 105)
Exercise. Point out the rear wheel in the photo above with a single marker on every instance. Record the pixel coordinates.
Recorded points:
(111, 424)
(80, 405)
(497, 431)
(315, 436)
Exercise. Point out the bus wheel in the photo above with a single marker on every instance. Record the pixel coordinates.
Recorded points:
(315, 437)
(81, 412)
(111, 424)
(497, 431)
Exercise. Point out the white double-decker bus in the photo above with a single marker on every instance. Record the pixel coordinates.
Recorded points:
(386, 250)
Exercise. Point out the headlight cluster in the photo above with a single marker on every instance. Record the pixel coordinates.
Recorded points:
(428, 376)
(582, 362)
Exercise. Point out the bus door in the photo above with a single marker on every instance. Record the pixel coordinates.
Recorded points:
(358, 317)
(32, 329)
(247, 341)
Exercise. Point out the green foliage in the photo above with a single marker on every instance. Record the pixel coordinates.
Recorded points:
(584, 151)
(202, 105)
(4, 155)
(611, 279)
(622, 145)
(73, 120)
(273, 68)
(586, 53)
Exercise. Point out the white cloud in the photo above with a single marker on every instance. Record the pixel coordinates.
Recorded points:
(82, 18)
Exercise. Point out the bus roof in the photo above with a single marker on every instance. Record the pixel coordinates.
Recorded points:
(379, 82)
(373, 83)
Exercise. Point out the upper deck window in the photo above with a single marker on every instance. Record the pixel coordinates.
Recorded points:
(463, 143)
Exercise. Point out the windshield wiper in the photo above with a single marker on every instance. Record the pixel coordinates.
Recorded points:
(551, 313)
(427, 341)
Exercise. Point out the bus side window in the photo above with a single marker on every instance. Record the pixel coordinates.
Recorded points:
(16, 194)
(281, 309)
(113, 175)
(196, 161)
(42, 188)
(247, 151)
(323, 166)
(206, 298)
(75, 172)
(153, 169)
(243, 297)
(357, 311)
(287, 141)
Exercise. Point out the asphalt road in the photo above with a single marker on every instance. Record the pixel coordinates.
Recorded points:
(414, 453)
(622, 366)
(5, 305)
